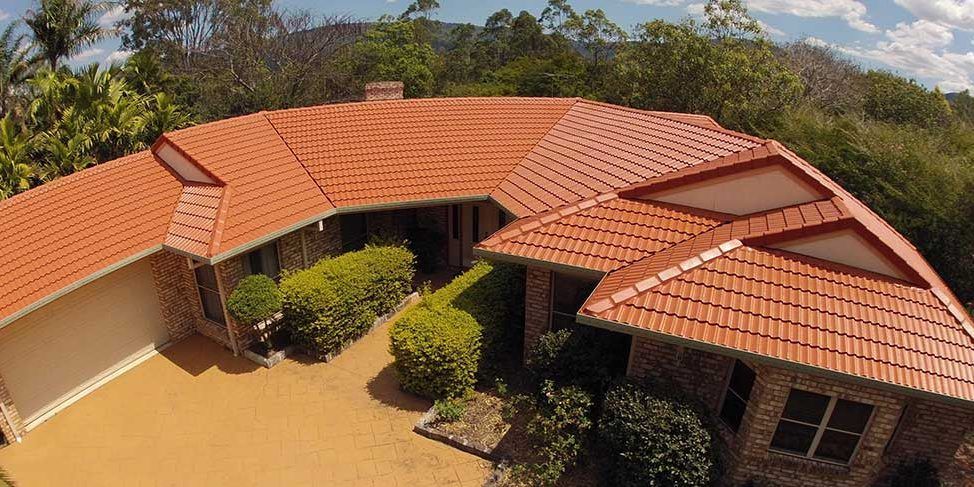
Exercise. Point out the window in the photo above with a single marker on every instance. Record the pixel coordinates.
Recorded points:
(475, 224)
(568, 295)
(354, 230)
(455, 218)
(210, 294)
(263, 261)
(821, 427)
(737, 394)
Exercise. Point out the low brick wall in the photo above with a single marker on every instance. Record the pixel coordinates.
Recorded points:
(537, 306)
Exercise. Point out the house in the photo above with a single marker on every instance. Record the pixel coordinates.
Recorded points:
(830, 349)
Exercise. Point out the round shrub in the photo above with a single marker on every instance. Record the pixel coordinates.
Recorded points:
(655, 440)
(436, 350)
(255, 299)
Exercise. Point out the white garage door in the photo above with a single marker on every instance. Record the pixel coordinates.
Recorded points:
(58, 351)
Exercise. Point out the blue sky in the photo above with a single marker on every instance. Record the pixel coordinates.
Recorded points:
(929, 40)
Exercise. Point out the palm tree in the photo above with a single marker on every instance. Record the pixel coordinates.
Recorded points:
(63, 28)
(15, 68)
(15, 168)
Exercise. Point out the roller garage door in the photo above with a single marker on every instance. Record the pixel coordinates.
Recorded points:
(65, 347)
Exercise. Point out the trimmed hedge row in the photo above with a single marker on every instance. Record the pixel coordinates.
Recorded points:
(338, 299)
(440, 346)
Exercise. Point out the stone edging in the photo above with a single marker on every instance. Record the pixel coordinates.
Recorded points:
(425, 427)
(279, 355)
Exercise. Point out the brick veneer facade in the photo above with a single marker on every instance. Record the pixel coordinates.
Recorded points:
(537, 306)
(934, 430)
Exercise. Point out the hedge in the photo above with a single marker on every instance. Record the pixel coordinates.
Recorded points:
(571, 357)
(338, 299)
(255, 299)
(443, 345)
(655, 439)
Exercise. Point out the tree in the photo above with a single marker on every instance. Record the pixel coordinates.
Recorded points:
(389, 51)
(423, 8)
(63, 28)
(729, 19)
(963, 106)
(891, 98)
(684, 67)
(176, 30)
(15, 168)
(15, 68)
(830, 82)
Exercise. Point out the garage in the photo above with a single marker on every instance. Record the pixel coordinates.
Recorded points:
(63, 349)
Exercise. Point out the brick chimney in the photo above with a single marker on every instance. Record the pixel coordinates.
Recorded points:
(383, 90)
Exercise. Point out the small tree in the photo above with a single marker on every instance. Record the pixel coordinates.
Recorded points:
(255, 299)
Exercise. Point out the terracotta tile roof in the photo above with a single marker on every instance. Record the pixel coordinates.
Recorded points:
(601, 233)
(595, 148)
(68, 230)
(798, 309)
(197, 218)
(269, 188)
(408, 150)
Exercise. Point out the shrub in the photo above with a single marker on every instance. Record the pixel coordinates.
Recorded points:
(255, 299)
(337, 300)
(458, 331)
(436, 350)
(558, 431)
(655, 440)
(568, 357)
(449, 410)
(918, 473)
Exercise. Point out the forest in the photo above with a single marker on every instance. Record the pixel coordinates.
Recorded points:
(905, 150)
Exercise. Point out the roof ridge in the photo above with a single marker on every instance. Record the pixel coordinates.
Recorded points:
(216, 237)
(655, 280)
(958, 314)
(296, 158)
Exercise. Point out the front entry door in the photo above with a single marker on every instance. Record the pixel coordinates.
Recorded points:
(469, 224)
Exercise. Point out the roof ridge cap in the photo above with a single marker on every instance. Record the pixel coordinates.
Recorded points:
(296, 158)
(663, 276)
(520, 160)
(959, 314)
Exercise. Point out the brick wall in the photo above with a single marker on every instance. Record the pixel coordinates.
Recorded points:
(290, 249)
(230, 272)
(537, 306)
(8, 403)
(753, 461)
(939, 432)
(700, 374)
(321, 244)
(176, 289)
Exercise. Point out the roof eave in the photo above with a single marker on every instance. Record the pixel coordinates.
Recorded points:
(777, 362)
(584, 272)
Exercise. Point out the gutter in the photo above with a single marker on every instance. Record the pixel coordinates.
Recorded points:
(780, 363)
(584, 272)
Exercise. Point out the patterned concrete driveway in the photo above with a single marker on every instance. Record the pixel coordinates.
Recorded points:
(196, 415)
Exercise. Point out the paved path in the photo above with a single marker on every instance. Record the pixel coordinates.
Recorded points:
(196, 415)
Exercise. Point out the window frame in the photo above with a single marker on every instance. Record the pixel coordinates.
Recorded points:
(200, 289)
(554, 289)
(821, 428)
(727, 390)
(248, 266)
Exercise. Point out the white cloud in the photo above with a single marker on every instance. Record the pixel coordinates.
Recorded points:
(4, 15)
(955, 13)
(770, 30)
(118, 57)
(87, 54)
(109, 18)
(695, 9)
(852, 11)
(815, 41)
(920, 50)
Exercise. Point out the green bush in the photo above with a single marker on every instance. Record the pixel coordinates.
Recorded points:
(655, 440)
(568, 357)
(458, 332)
(918, 473)
(558, 431)
(449, 410)
(255, 299)
(337, 300)
(436, 350)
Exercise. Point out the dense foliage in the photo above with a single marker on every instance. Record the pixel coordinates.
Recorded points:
(655, 439)
(459, 332)
(256, 298)
(559, 430)
(917, 473)
(338, 299)
(904, 149)
(570, 358)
